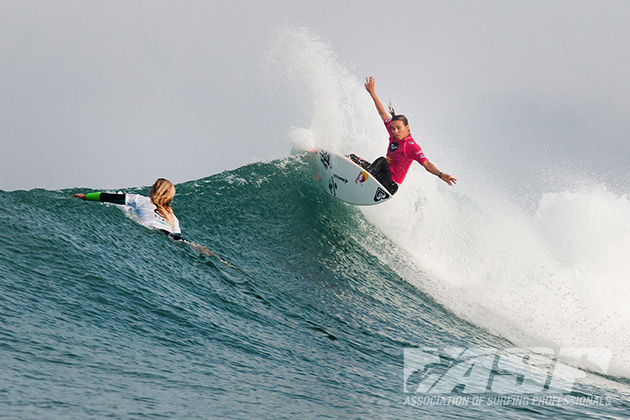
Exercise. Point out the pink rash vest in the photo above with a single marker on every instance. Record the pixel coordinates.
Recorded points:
(401, 153)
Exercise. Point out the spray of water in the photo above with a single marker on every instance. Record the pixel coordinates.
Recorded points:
(557, 276)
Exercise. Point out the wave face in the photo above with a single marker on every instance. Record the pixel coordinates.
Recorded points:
(550, 269)
(102, 317)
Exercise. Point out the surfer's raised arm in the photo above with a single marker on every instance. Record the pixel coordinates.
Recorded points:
(370, 86)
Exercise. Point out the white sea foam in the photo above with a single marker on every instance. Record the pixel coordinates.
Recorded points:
(558, 276)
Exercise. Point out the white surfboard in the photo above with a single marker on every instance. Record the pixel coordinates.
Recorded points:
(347, 181)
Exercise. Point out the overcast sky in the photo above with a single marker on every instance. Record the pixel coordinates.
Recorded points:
(109, 94)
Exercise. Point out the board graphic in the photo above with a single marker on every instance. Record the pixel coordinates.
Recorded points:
(347, 181)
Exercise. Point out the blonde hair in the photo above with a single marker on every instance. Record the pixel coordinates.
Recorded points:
(162, 193)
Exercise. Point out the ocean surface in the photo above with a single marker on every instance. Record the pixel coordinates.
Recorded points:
(324, 311)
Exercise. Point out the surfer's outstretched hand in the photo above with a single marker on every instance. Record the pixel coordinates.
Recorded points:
(448, 179)
(370, 84)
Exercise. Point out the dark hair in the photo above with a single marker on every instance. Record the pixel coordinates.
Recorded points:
(397, 117)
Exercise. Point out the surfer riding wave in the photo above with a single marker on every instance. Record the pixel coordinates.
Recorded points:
(402, 151)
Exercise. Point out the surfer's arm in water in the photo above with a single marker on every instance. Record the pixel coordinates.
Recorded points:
(370, 86)
(435, 171)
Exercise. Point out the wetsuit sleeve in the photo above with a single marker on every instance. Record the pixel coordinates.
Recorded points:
(106, 197)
